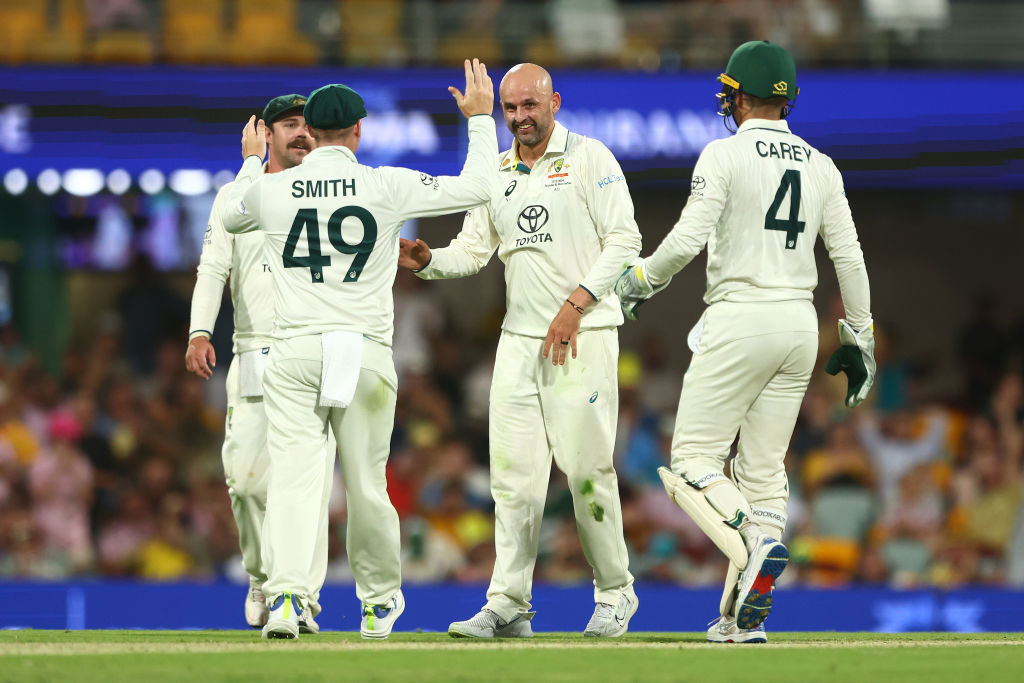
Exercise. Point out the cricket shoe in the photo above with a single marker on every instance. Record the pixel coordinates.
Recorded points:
(379, 619)
(724, 630)
(487, 624)
(284, 618)
(754, 600)
(306, 622)
(611, 621)
(256, 611)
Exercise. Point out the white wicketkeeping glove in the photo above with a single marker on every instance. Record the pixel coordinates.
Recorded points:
(634, 288)
(856, 358)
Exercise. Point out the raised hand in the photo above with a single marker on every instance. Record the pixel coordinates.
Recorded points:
(254, 138)
(479, 97)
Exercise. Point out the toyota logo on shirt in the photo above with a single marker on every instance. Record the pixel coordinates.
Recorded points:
(533, 218)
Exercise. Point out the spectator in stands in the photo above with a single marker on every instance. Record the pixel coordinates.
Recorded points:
(61, 482)
(895, 449)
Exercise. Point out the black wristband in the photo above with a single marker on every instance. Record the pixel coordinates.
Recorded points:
(420, 270)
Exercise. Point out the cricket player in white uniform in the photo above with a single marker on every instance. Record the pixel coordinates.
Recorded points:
(244, 454)
(331, 227)
(560, 216)
(758, 200)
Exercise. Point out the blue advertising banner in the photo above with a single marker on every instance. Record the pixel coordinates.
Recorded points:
(88, 129)
(107, 605)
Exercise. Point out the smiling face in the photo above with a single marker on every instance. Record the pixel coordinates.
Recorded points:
(529, 104)
(288, 142)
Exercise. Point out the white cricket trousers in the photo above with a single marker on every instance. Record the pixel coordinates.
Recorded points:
(297, 434)
(748, 375)
(247, 470)
(569, 412)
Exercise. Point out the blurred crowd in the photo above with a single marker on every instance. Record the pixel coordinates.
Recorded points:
(112, 467)
(635, 34)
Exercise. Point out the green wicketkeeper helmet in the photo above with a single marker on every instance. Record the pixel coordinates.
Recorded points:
(761, 69)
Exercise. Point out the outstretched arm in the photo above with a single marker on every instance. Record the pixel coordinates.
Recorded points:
(465, 255)
(420, 194)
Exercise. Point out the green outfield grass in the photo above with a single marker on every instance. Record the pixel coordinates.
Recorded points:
(199, 656)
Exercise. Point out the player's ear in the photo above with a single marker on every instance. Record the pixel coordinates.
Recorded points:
(358, 130)
(270, 128)
(556, 103)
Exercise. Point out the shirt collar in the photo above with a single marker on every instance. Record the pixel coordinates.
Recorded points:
(764, 124)
(331, 152)
(558, 143)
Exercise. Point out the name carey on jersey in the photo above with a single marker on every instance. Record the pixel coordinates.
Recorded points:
(782, 150)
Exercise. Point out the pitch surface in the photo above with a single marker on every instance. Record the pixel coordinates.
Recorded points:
(153, 656)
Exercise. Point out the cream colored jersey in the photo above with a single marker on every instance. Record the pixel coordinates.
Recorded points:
(568, 222)
(759, 200)
(241, 258)
(332, 224)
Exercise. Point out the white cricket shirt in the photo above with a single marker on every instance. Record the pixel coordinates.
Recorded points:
(241, 257)
(332, 224)
(565, 223)
(759, 200)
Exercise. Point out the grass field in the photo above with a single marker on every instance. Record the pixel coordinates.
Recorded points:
(199, 656)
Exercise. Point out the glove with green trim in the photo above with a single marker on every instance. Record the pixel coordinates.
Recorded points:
(856, 358)
(634, 288)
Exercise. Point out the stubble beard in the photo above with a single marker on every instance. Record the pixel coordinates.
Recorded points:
(531, 139)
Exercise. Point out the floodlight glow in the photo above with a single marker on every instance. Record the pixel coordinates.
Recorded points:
(83, 182)
(118, 181)
(151, 181)
(191, 181)
(48, 181)
(15, 181)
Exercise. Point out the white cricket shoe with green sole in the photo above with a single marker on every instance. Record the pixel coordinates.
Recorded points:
(378, 620)
(284, 618)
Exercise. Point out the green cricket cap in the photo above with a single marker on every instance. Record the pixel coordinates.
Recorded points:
(281, 105)
(333, 107)
(762, 69)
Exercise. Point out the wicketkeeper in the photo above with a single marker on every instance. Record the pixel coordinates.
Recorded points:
(758, 200)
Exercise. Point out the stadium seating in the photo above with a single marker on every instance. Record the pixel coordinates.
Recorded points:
(22, 24)
(121, 46)
(370, 32)
(193, 31)
(265, 33)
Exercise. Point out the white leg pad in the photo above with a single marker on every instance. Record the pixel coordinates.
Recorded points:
(732, 580)
(707, 518)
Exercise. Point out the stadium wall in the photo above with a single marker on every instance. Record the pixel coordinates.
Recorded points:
(131, 605)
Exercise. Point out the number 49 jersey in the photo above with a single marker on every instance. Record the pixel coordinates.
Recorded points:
(331, 230)
(759, 200)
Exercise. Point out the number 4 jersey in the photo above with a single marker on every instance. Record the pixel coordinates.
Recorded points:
(331, 230)
(759, 200)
